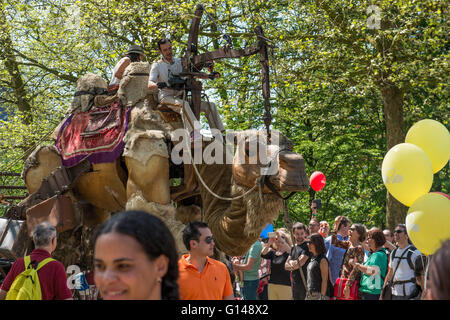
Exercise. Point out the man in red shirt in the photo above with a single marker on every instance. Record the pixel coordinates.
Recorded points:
(52, 276)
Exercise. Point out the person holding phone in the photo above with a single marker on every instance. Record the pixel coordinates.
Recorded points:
(277, 250)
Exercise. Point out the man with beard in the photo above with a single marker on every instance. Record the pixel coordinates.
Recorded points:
(169, 67)
(298, 258)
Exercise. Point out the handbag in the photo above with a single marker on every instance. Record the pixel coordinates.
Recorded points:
(386, 292)
(339, 289)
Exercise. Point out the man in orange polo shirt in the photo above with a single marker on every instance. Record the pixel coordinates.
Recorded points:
(201, 277)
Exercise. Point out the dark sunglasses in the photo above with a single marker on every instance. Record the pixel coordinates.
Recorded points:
(314, 207)
(398, 231)
(208, 240)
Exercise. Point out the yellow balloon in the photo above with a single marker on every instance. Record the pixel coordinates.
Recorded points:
(433, 138)
(407, 173)
(428, 222)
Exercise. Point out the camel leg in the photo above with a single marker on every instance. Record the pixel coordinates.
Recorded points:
(39, 165)
(103, 187)
(151, 178)
(148, 187)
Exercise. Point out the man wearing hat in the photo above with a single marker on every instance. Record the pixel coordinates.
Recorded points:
(134, 54)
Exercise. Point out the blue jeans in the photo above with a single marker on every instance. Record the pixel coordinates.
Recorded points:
(250, 289)
(369, 296)
(400, 297)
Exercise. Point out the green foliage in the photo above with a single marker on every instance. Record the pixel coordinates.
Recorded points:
(328, 73)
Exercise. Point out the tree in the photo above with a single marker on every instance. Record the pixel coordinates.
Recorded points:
(338, 46)
(344, 88)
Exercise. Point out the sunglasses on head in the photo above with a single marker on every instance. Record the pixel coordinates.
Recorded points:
(208, 240)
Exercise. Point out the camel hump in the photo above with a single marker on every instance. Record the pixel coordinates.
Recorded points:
(42, 161)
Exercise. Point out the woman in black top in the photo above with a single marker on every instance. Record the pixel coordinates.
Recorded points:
(318, 280)
(277, 251)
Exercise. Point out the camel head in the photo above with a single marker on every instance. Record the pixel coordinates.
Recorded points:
(133, 85)
(255, 157)
(237, 221)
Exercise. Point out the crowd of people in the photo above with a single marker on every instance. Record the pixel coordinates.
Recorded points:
(135, 258)
(349, 262)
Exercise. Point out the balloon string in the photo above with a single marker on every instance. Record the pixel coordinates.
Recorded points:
(426, 272)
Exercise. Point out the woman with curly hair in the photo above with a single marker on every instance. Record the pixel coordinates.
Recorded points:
(135, 258)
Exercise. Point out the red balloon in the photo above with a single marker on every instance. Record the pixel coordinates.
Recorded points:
(317, 181)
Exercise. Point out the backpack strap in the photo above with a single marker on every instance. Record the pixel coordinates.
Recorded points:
(300, 268)
(408, 257)
(398, 265)
(27, 261)
(409, 252)
(44, 262)
(393, 253)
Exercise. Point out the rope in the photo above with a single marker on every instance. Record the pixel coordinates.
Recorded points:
(198, 173)
(276, 76)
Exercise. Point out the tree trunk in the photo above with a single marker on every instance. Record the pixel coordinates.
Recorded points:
(393, 113)
(17, 83)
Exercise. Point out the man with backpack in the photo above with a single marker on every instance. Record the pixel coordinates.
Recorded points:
(37, 276)
(401, 265)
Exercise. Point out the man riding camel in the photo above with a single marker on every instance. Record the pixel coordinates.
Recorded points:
(160, 73)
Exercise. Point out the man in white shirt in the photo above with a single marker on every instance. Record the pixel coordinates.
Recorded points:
(402, 263)
(160, 73)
